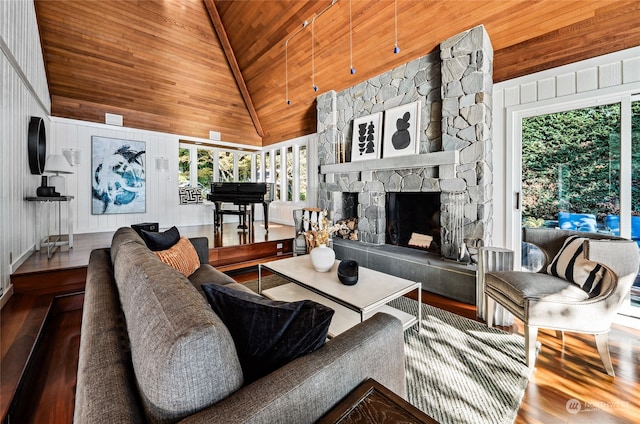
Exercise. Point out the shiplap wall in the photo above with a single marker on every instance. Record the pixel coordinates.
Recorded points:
(162, 187)
(24, 94)
(613, 73)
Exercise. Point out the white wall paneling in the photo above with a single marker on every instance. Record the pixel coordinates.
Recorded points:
(24, 94)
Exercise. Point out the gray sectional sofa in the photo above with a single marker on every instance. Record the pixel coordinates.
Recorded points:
(152, 350)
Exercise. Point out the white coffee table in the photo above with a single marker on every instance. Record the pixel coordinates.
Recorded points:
(352, 304)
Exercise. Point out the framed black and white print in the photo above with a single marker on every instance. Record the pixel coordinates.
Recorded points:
(118, 182)
(402, 130)
(367, 135)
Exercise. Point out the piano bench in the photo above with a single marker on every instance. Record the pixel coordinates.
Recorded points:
(243, 212)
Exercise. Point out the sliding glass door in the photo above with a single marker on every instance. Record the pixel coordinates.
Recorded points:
(581, 170)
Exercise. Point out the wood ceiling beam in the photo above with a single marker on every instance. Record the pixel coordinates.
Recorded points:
(233, 63)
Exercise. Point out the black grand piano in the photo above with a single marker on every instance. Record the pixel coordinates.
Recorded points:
(242, 195)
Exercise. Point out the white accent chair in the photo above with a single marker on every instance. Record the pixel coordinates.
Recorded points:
(541, 300)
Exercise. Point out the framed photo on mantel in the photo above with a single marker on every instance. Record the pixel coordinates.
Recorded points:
(402, 130)
(367, 133)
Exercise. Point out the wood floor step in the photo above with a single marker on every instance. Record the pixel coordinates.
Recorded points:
(22, 320)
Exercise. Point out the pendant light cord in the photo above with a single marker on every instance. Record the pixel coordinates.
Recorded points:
(352, 70)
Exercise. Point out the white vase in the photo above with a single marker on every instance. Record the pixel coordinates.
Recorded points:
(322, 258)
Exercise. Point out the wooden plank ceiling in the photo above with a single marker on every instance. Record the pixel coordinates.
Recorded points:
(162, 65)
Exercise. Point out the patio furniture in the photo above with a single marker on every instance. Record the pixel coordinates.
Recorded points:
(577, 221)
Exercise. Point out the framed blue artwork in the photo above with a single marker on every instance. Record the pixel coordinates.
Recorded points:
(118, 182)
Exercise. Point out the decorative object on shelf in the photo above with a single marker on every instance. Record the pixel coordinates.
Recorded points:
(322, 258)
(57, 164)
(340, 148)
(72, 155)
(367, 132)
(44, 190)
(37, 145)
(348, 272)
(118, 176)
(402, 130)
(396, 49)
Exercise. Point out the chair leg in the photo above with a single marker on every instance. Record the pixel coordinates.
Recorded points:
(489, 309)
(602, 343)
(530, 337)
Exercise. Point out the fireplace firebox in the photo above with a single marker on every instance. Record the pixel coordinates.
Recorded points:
(413, 220)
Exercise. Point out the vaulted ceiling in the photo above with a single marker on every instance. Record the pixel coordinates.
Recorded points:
(190, 66)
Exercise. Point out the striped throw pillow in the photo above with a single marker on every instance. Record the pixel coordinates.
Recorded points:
(571, 265)
(182, 256)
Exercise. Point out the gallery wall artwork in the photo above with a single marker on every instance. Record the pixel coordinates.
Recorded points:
(367, 131)
(118, 176)
(402, 130)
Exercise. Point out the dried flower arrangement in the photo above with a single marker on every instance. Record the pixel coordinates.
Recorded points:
(321, 231)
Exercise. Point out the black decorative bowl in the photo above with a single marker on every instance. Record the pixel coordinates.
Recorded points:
(348, 272)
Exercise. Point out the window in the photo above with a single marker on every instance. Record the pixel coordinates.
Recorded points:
(225, 161)
(267, 168)
(278, 179)
(184, 164)
(289, 170)
(244, 167)
(303, 173)
(284, 166)
(571, 169)
(259, 173)
(205, 169)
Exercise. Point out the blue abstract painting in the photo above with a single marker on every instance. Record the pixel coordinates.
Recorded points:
(118, 176)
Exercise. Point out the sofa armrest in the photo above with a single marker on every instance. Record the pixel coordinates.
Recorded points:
(201, 244)
(308, 387)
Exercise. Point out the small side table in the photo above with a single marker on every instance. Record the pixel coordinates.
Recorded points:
(492, 259)
(373, 403)
(53, 241)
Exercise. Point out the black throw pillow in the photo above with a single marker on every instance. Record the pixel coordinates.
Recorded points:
(160, 241)
(268, 333)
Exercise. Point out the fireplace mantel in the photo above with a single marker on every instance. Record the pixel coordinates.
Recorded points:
(442, 158)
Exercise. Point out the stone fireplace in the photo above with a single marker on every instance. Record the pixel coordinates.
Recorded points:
(454, 86)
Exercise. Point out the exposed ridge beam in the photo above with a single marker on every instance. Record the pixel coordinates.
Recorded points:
(233, 63)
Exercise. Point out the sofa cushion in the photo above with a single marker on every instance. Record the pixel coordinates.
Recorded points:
(183, 356)
(182, 257)
(160, 240)
(268, 333)
(571, 264)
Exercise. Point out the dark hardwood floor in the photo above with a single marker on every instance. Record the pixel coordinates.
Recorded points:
(564, 371)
